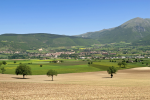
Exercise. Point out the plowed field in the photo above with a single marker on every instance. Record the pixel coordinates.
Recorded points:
(129, 84)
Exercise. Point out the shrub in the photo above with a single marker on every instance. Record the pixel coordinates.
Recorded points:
(14, 62)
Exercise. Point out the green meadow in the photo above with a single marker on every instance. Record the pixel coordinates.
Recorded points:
(68, 66)
(104, 64)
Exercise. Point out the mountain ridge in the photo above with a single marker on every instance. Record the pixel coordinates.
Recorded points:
(38, 40)
(129, 31)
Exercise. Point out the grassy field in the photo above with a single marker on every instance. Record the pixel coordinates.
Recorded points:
(68, 66)
(104, 64)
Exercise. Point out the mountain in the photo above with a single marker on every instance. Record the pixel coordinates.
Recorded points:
(144, 41)
(41, 40)
(129, 31)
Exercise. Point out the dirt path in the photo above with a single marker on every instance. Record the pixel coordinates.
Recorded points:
(133, 84)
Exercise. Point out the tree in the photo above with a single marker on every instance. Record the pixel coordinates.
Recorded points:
(136, 60)
(4, 62)
(40, 65)
(119, 64)
(124, 63)
(23, 69)
(3, 70)
(89, 63)
(54, 61)
(112, 70)
(52, 73)
(123, 60)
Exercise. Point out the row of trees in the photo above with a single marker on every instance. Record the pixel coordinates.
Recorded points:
(26, 70)
(122, 63)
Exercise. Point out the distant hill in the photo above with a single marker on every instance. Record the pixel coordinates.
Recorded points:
(39, 40)
(129, 31)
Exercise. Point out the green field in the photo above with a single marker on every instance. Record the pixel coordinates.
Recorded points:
(104, 64)
(68, 66)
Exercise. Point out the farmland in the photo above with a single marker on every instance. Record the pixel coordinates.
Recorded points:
(76, 80)
(130, 84)
(67, 66)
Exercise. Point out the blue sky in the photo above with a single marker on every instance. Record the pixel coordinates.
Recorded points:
(68, 17)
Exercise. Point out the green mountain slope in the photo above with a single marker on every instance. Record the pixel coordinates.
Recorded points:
(130, 31)
(144, 41)
(34, 41)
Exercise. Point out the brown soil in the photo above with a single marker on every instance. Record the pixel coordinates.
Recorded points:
(129, 84)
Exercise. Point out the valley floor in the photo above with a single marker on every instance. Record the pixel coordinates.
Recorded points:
(129, 84)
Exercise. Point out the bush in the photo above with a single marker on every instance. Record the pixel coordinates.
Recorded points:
(54, 61)
(61, 61)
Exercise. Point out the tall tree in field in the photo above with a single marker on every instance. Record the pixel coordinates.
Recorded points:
(51, 73)
(112, 70)
(23, 70)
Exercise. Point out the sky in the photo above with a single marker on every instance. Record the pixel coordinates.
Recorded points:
(68, 17)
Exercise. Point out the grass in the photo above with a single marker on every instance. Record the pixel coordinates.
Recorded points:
(104, 64)
(68, 66)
